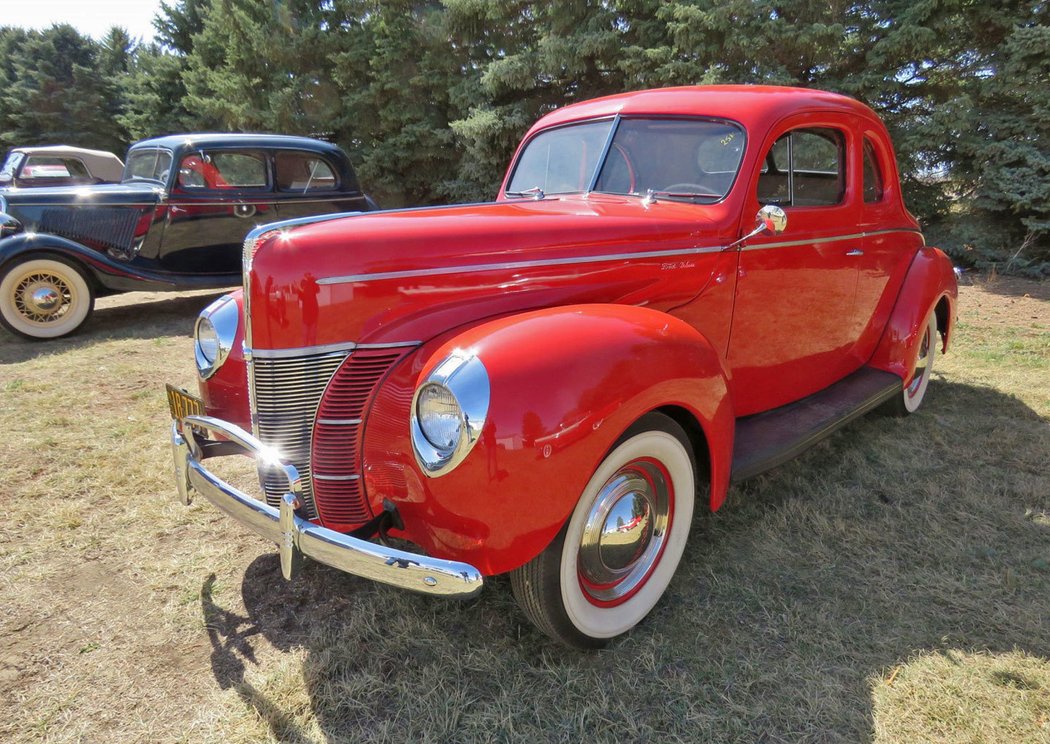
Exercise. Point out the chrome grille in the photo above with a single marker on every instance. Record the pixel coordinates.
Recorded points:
(287, 392)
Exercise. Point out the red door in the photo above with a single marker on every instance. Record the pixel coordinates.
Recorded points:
(792, 329)
(891, 240)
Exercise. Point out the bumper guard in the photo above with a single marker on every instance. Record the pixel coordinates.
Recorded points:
(297, 537)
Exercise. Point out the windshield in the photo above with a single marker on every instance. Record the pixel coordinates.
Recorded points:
(149, 165)
(693, 159)
(7, 173)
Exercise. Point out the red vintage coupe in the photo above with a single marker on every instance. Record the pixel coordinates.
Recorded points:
(548, 385)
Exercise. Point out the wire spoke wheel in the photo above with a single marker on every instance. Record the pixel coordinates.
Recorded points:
(44, 298)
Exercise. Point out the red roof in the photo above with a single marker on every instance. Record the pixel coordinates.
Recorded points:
(748, 104)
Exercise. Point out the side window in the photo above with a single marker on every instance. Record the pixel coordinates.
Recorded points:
(222, 169)
(872, 174)
(805, 168)
(303, 172)
(43, 166)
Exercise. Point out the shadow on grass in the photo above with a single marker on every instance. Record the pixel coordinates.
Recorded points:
(891, 539)
(1012, 286)
(171, 315)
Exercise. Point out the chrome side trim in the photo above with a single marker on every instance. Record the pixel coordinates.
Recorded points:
(829, 239)
(352, 278)
(343, 348)
(512, 265)
(339, 422)
(296, 537)
(318, 476)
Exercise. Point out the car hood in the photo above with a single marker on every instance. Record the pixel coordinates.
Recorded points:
(407, 275)
(108, 194)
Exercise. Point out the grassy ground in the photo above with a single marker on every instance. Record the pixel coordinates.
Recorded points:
(893, 584)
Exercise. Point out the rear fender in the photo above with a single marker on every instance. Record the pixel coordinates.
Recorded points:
(565, 383)
(930, 286)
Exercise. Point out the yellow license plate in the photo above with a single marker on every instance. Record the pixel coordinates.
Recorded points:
(182, 404)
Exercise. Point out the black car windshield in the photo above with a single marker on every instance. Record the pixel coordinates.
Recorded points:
(7, 173)
(147, 165)
(690, 159)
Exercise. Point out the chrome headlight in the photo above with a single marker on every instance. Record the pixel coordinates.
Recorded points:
(214, 334)
(448, 413)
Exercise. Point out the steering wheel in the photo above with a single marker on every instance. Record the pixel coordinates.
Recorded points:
(684, 188)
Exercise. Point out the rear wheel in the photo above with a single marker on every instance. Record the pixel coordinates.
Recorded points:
(915, 391)
(44, 298)
(615, 557)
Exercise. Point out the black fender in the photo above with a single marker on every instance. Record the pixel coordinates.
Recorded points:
(107, 274)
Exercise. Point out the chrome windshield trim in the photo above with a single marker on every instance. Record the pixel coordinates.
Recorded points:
(343, 348)
(349, 279)
(605, 154)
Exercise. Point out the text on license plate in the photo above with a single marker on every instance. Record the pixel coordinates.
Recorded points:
(182, 404)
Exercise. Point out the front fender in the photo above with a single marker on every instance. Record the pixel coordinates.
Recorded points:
(929, 284)
(106, 271)
(565, 384)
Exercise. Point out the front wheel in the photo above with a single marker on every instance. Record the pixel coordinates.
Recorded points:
(44, 298)
(615, 557)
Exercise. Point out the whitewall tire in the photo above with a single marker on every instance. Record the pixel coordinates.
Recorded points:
(911, 397)
(616, 555)
(42, 298)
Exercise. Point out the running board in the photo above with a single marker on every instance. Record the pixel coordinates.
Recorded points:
(768, 439)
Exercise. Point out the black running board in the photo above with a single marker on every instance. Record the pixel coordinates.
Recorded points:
(768, 439)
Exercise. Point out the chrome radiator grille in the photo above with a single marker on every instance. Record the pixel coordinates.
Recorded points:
(287, 393)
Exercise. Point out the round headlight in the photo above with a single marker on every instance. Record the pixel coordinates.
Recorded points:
(440, 416)
(208, 341)
(214, 334)
(448, 413)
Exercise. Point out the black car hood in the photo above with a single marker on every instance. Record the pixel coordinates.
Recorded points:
(108, 194)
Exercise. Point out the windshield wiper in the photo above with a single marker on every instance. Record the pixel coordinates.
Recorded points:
(535, 192)
(651, 195)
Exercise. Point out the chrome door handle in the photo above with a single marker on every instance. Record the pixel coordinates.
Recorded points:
(855, 252)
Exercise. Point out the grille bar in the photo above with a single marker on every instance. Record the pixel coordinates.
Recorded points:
(287, 393)
(340, 497)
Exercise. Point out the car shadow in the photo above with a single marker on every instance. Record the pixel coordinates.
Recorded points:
(156, 315)
(893, 538)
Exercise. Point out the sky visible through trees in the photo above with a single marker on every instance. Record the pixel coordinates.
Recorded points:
(430, 98)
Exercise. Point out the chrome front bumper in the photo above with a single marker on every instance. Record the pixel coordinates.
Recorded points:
(297, 537)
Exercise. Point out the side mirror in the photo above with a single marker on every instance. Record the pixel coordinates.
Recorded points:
(770, 218)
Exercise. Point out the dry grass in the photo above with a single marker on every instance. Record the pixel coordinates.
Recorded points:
(892, 585)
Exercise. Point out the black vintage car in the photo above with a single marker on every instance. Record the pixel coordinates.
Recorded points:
(176, 221)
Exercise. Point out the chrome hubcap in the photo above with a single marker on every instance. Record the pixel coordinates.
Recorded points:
(43, 298)
(625, 532)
